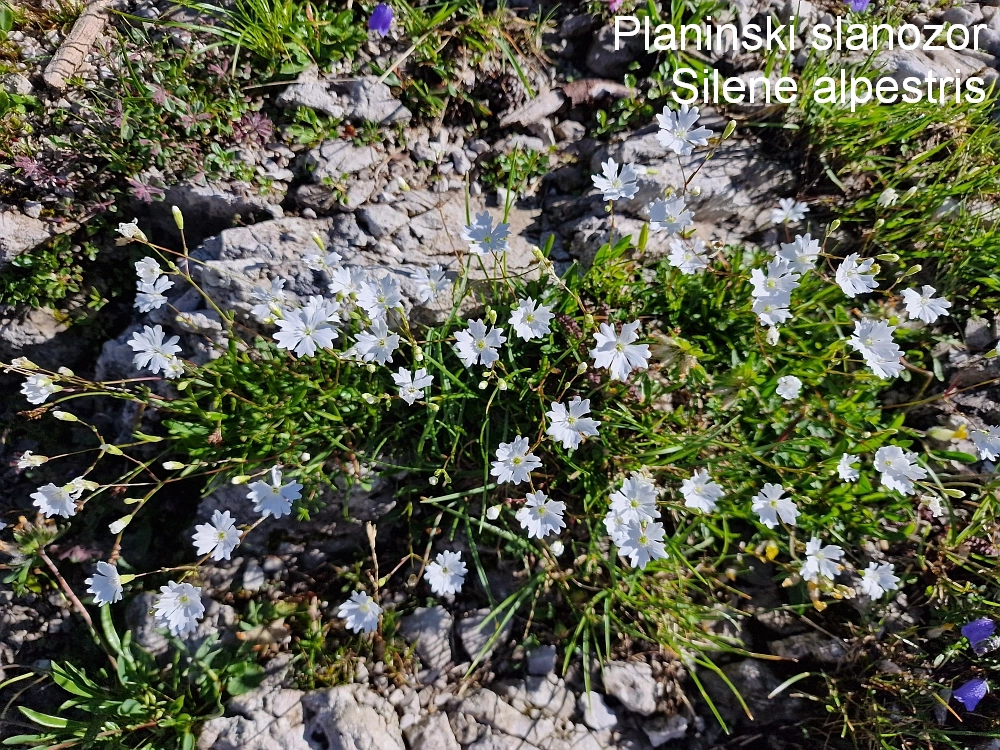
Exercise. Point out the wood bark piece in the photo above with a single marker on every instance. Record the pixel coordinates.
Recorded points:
(77, 44)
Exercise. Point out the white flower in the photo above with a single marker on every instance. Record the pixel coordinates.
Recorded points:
(493, 512)
(476, 345)
(821, 561)
(770, 504)
(571, 424)
(802, 252)
(305, 330)
(412, 385)
(636, 500)
(361, 612)
(888, 197)
(987, 442)
(55, 501)
(218, 537)
(151, 296)
(899, 468)
(789, 387)
(773, 335)
(37, 388)
(933, 505)
(380, 296)
(615, 186)
(617, 352)
(669, 216)
(789, 211)
(151, 351)
(530, 320)
(274, 498)
(853, 277)
(772, 310)
(148, 270)
(76, 487)
(268, 301)
(131, 230)
(924, 305)
(847, 472)
(173, 369)
(617, 527)
(557, 547)
(327, 261)
(29, 460)
(780, 279)
(677, 131)
(179, 608)
(873, 339)
(483, 237)
(514, 463)
(378, 345)
(689, 256)
(878, 580)
(446, 574)
(347, 283)
(642, 543)
(431, 282)
(105, 584)
(541, 516)
(700, 492)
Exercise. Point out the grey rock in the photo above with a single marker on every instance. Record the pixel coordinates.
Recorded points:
(265, 718)
(663, 729)
(18, 234)
(535, 110)
(753, 680)
(39, 334)
(812, 645)
(542, 660)
(607, 62)
(578, 25)
(380, 220)
(430, 628)
(15, 83)
(519, 141)
(208, 209)
(334, 159)
(501, 742)
(32, 209)
(569, 130)
(463, 164)
(979, 334)
(145, 631)
(350, 717)
(432, 732)
(475, 635)
(253, 576)
(549, 695)
(631, 683)
(359, 100)
(596, 713)
(486, 708)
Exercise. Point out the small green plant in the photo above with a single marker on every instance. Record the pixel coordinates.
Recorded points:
(139, 703)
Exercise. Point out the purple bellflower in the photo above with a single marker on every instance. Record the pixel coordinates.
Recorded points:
(381, 19)
(971, 693)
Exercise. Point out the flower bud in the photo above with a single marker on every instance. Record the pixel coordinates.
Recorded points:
(730, 129)
(318, 240)
(65, 416)
(114, 450)
(173, 465)
(491, 316)
(432, 481)
(588, 321)
(581, 368)
(178, 217)
(482, 385)
(369, 398)
(65, 371)
(502, 385)
(493, 512)
(119, 526)
(240, 479)
(557, 547)
(835, 225)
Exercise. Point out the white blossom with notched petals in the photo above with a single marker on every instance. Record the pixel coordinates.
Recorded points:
(431, 283)
(845, 471)
(670, 216)
(179, 608)
(219, 537)
(411, 385)
(483, 237)
(105, 584)
(873, 339)
(678, 132)
(477, 345)
(151, 296)
(570, 424)
(446, 574)
(530, 320)
(923, 305)
(789, 387)
(642, 543)
(305, 330)
(377, 345)
(636, 500)
(151, 350)
(274, 498)
(853, 277)
(380, 296)
(987, 442)
(878, 580)
(770, 504)
(616, 351)
(53, 500)
(361, 612)
(515, 462)
(788, 211)
(700, 492)
(801, 253)
(821, 561)
(39, 387)
(541, 516)
(899, 468)
(688, 256)
(615, 185)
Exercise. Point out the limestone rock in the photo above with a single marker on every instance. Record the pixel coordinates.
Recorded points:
(431, 629)
(358, 100)
(432, 732)
(631, 683)
(18, 234)
(350, 717)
